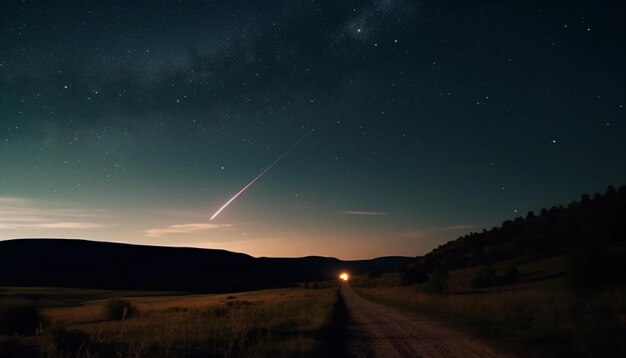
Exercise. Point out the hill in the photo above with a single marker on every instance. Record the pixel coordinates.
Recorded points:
(590, 233)
(92, 264)
(549, 284)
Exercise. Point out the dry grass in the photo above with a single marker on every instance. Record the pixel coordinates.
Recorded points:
(65, 297)
(533, 320)
(284, 322)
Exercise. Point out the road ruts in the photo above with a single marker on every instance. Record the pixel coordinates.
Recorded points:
(375, 330)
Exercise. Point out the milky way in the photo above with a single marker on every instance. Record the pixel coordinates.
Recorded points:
(438, 114)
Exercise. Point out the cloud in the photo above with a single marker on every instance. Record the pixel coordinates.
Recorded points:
(25, 214)
(70, 225)
(184, 229)
(425, 233)
(11, 200)
(52, 225)
(365, 213)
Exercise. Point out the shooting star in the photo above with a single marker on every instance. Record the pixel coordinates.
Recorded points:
(258, 176)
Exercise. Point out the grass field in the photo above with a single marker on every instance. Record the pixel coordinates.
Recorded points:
(537, 317)
(283, 322)
(60, 297)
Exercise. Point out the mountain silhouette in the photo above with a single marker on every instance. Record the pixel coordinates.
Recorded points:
(105, 265)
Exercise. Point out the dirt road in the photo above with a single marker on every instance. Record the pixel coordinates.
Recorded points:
(375, 330)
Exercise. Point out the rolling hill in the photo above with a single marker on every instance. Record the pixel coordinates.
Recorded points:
(92, 264)
(590, 234)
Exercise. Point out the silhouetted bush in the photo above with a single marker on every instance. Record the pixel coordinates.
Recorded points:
(512, 275)
(438, 282)
(60, 341)
(414, 274)
(485, 277)
(19, 317)
(117, 309)
(14, 346)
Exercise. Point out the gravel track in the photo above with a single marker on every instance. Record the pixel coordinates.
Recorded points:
(375, 330)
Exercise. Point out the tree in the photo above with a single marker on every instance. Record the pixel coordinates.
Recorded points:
(414, 274)
(585, 199)
(438, 282)
(610, 192)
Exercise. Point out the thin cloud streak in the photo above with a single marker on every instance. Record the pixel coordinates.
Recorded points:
(54, 225)
(184, 229)
(365, 213)
(70, 225)
(12, 200)
(25, 214)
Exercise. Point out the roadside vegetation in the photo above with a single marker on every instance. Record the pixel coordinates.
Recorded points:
(279, 323)
(19, 317)
(549, 284)
(533, 310)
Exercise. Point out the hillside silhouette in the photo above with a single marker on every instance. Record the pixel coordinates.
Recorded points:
(92, 264)
(590, 232)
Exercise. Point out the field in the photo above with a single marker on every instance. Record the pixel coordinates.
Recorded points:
(282, 322)
(537, 317)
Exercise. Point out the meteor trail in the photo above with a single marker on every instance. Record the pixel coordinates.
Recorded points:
(258, 176)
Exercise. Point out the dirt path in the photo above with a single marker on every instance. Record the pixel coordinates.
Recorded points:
(375, 330)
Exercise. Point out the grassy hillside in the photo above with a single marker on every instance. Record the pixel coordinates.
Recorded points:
(547, 285)
(589, 236)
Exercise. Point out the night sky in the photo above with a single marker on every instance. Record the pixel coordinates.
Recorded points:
(134, 121)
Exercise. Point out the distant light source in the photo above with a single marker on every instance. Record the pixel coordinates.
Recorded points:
(344, 276)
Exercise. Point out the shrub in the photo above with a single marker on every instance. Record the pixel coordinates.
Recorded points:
(17, 347)
(117, 310)
(60, 341)
(438, 282)
(414, 274)
(19, 317)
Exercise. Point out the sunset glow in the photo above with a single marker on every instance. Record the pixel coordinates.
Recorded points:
(344, 276)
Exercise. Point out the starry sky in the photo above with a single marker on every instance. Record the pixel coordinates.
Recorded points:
(134, 121)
